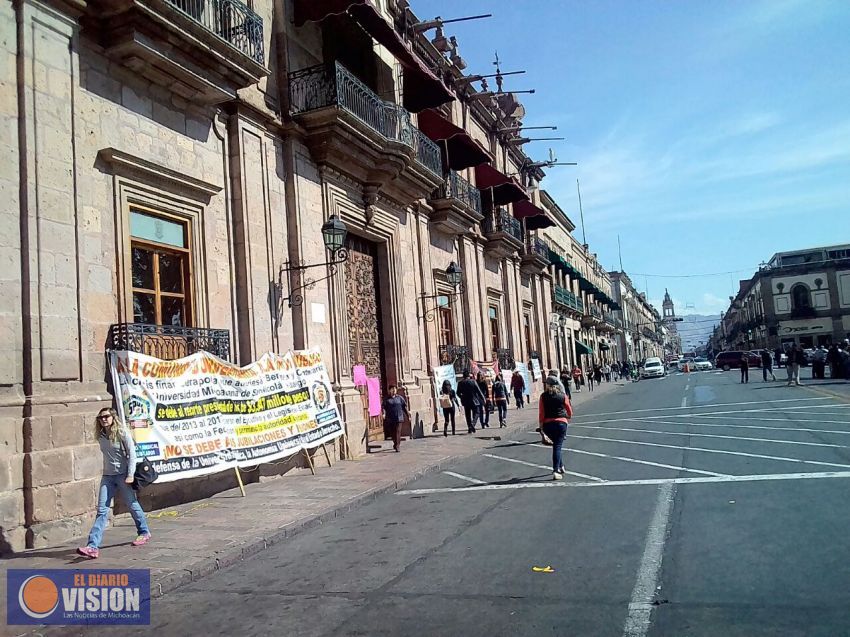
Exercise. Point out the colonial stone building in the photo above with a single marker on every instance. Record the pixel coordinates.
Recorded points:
(799, 297)
(168, 167)
(644, 331)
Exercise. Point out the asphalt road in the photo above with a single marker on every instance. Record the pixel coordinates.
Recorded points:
(696, 506)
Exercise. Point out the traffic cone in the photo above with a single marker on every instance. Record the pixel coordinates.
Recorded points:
(687, 368)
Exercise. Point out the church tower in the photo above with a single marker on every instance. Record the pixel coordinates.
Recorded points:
(667, 306)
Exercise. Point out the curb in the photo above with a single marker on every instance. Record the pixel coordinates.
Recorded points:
(230, 556)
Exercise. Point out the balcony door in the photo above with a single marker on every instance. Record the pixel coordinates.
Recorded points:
(161, 269)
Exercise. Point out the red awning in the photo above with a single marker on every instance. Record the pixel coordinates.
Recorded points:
(504, 189)
(422, 89)
(459, 149)
(535, 217)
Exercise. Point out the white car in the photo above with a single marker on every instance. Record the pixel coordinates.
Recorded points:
(653, 368)
(702, 364)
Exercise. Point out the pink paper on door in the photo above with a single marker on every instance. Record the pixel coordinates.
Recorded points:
(373, 391)
(359, 374)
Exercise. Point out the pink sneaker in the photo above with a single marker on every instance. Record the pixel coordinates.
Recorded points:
(89, 552)
(144, 538)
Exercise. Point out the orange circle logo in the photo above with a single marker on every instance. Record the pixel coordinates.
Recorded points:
(38, 596)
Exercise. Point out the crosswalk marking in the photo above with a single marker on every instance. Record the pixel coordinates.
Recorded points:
(706, 424)
(464, 478)
(540, 466)
(786, 420)
(691, 434)
(719, 451)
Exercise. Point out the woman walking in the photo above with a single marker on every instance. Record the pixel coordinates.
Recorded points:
(119, 465)
(554, 415)
(448, 401)
(484, 386)
(500, 397)
(518, 388)
(577, 377)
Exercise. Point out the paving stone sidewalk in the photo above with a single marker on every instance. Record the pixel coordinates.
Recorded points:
(193, 540)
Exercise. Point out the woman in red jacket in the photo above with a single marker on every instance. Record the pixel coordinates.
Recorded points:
(554, 415)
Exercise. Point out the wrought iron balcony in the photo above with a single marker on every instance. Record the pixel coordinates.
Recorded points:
(505, 358)
(230, 20)
(457, 205)
(168, 342)
(535, 258)
(456, 187)
(503, 232)
(427, 152)
(457, 355)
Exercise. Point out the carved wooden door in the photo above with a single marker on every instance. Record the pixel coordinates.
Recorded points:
(365, 338)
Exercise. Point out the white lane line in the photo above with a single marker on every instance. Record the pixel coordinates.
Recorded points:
(759, 477)
(684, 401)
(464, 478)
(646, 462)
(692, 414)
(711, 424)
(689, 434)
(541, 466)
(753, 402)
(785, 420)
(643, 594)
(727, 453)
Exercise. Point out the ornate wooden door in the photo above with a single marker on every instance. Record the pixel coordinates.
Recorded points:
(365, 338)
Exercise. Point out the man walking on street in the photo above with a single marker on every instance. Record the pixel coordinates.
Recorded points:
(745, 368)
(796, 357)
(472, 400)
(395, 412)
(766, 365)
(500, 398)
(518, 388)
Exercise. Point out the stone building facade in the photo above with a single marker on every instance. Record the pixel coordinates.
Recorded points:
(168, 167)
(799, 297)
(643, 333)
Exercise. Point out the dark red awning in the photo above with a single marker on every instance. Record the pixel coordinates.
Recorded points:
(459, 149)
(422, 88)
(504, 189)
(535, 217)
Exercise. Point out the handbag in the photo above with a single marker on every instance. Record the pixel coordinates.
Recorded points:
(145, 474)
(446, 402)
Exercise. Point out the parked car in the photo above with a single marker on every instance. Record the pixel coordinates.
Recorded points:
(732, 360)
(653, 368)
(702, 364)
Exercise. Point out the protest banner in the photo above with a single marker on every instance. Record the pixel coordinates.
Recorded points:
(443, 373)
(535, 369)
(200, 414)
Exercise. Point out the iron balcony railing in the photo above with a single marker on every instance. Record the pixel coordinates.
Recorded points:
(456, 187)
(457, 355)
(536, 246)
(595, 312)
(501, 221)
(231, 20)
(168, 341)
(565, 297)
(332, 84)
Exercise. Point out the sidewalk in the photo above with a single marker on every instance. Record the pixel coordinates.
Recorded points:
(194, 540)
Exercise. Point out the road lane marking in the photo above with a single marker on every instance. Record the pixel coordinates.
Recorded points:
(711, 424)
(759, 477)
(541, 466)
(728, 453)
(689, 434)
(643, 594)
(785, 420)
(684, 401)
(646, 462)
(464, 478)
(692, 414)
(753, 402)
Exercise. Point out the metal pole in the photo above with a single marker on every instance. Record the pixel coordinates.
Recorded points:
(581, 212)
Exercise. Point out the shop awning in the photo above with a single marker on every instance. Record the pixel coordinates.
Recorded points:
(582, 348)
(504, 189)
(459, 149)
(535, 217)
(422, 88)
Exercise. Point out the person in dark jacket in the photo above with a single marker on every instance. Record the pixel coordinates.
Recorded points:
(395, 412)
(777, 357)
(834, 360)
(796, 359)
(766, 365)
(518, 389)
(554, 415)
(745, 368)
(472, 400)
(500, 398)
(448, 400)
(566, 377)
(484, 386)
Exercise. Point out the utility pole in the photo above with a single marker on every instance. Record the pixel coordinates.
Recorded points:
(581, 212)
(620, 253)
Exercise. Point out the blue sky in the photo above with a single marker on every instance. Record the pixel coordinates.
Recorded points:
(709, 135)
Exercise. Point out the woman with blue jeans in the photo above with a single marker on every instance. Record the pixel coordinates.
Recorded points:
(119, 465)
(554, 415)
